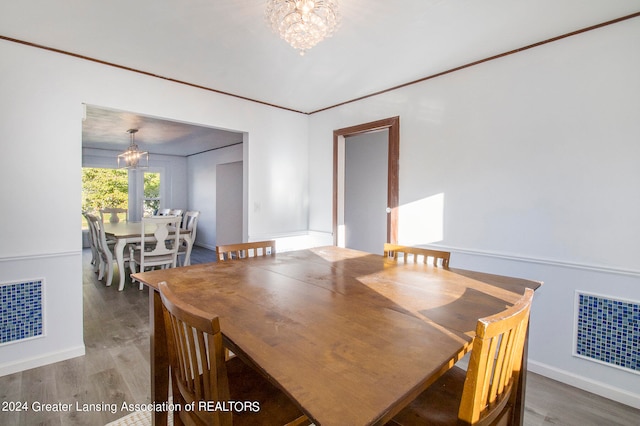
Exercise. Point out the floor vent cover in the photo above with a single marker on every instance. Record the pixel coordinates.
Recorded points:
(21, 315)
(607, 330)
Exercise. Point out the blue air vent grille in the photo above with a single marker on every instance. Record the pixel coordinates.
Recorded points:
(608, 331)
(20, 311)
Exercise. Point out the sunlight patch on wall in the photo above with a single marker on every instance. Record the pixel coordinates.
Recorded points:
(422, 221)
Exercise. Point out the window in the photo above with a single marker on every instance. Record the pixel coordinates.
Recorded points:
(104, 188)
(151, 198)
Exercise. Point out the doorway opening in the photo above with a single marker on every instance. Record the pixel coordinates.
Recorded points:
(392, 125)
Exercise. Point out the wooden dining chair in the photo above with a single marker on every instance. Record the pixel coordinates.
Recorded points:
(114, 213)
(244, 250)
(159, 250)
(199, 372)
(485, 394)
(393, 250)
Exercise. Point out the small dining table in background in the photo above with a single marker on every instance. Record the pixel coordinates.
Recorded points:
(130, 232)
(352, 337)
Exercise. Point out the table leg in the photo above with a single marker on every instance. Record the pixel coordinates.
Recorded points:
(119, 251)
(159, 358)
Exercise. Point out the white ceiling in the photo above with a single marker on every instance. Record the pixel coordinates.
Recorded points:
(105, 128)
(226, 45)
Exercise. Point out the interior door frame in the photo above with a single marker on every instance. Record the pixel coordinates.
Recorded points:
(392, 124)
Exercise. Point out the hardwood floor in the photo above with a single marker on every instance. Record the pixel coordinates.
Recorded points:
(549, 402)
(115, 369)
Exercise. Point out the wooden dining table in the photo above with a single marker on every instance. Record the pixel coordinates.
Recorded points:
(131, 232)
(351, 337)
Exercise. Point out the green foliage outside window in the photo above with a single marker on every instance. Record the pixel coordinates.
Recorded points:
(151, 185)
(151, 193)
(104, 188)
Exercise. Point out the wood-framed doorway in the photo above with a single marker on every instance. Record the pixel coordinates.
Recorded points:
(392, 124)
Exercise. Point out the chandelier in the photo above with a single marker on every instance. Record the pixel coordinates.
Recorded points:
(133, 158)
(303, 23)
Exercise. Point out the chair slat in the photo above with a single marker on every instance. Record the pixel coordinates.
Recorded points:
(437, 256)
(244, 250)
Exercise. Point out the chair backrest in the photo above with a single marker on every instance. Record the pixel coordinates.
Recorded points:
(113, 214)
(190, 223)
(496, 358)
(244, 250)
(92, 238)
(163, 212)
(196, 356)
(96, 227)
(166, 235)
(178, 213)
(392, 250)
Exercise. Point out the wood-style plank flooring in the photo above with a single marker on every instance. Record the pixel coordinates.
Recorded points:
(115, 369)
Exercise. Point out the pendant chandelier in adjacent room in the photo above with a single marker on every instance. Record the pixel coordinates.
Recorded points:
(133, 158)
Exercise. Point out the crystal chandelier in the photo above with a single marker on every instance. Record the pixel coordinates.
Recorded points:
(133, 158)
(303, 23)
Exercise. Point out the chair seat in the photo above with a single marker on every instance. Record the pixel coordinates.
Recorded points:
(246, 384)
(438, 405)
(104, 247)
(157, 260)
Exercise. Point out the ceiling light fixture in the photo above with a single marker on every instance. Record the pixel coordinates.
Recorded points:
(133, 158)
(303, 23)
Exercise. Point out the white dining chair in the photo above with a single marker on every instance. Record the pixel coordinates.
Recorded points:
(190, 223)
(104, 250)
(179, 213)
(93, 243)
(113, 213)
(161, 249)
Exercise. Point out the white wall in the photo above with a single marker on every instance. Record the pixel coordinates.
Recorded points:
(40, 131)
(202, 189)
(229, 203)
(529, 166)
